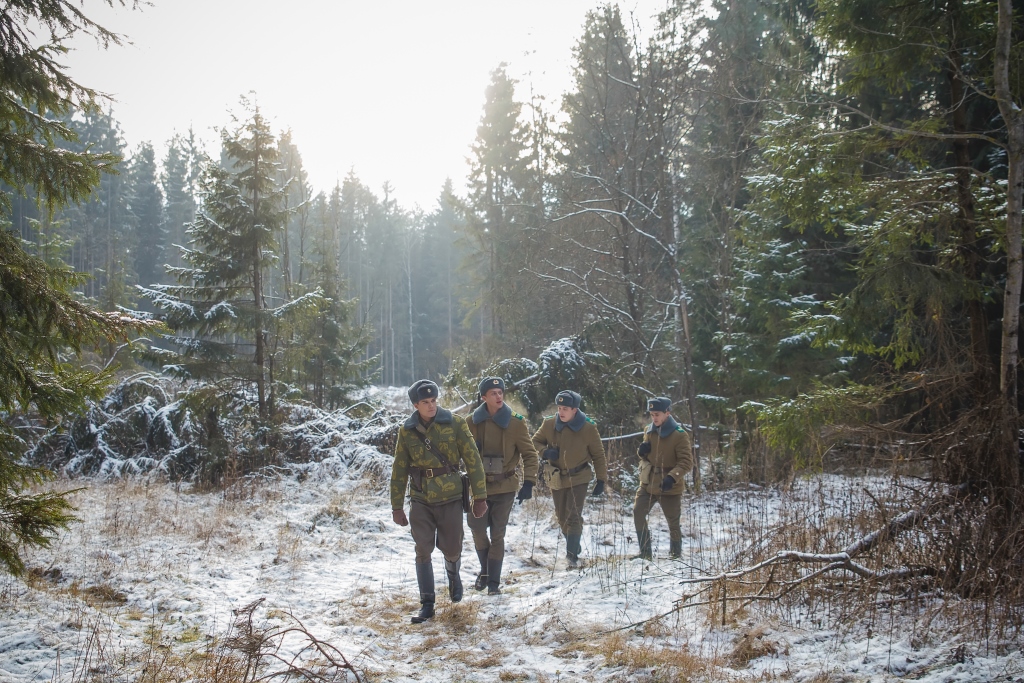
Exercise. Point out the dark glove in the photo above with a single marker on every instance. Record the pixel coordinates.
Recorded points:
(526, 492)
(598, 488)
(645, 449)
(550, 453)
(399, 517)
(667, 483)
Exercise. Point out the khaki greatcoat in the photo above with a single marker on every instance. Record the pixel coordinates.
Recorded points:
(519, 456)
(578, 443)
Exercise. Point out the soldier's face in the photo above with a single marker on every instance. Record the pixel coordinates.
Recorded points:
(658, 417)
(494, 398)
(566, 414)
(427, 408)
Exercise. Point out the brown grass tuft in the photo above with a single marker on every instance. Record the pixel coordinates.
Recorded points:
(750, 646)
(459, 617)
(103, 594)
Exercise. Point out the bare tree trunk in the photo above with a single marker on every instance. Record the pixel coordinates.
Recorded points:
(1008, 473)
(257, 295)
(408, 279)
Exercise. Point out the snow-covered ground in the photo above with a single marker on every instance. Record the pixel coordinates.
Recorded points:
(144, 586)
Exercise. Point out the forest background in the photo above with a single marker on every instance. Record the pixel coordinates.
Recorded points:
(800, 220)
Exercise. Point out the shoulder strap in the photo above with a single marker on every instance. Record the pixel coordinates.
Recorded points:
(430, 447)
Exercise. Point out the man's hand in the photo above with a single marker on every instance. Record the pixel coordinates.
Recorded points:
(479, 508)
(526, 492)
(550, 454)
(668, 482)
(645, 449)
(598, 488)
(399, 517)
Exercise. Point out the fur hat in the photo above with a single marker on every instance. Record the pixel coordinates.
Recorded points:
(662, 404)
(422, 389)
(568, 398)
(488, 383)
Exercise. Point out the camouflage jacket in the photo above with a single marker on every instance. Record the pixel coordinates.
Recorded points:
(671, 454)
(449, 434)
(517, 455)
(579, 444)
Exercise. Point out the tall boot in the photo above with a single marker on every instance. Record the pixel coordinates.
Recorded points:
(644, 538)
(481, 578)
(572, 549)
(493, 577)
(675, 548)
(425, 579)
(454, 579)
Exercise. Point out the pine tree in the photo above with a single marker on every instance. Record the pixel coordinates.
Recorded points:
(504, 206)
(146, 205)
(41, 320)
(222, 296)
(178, 180)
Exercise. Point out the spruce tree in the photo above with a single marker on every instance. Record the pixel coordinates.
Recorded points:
(179, 178)
(146, 205)
(41, 319)
(219, 313)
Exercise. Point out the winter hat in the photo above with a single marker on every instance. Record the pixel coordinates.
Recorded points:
(568, 398)
(488, 383)
(422, 389)
(661, 404)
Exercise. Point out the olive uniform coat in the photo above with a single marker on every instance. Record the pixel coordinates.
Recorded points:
(413, 463)
(579, 443)
(671, 455)
(517, 453)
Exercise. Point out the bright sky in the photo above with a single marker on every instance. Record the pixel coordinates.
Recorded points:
(390, 88)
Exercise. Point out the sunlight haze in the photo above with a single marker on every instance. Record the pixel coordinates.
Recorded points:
(391, 90)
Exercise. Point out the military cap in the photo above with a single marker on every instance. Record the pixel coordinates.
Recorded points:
(661, 404)
(422, 389)
(568, 398)
(488, 383)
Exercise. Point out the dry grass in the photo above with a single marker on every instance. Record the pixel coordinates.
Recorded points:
(103, 594)
(750, 646)
(290, 541)
(652, 658)
(458, 617)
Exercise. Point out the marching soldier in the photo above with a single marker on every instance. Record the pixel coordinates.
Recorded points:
(430, 444)
(572, 455)
(503, 439)
(666, 455)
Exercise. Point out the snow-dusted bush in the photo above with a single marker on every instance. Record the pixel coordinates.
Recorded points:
(149, 424)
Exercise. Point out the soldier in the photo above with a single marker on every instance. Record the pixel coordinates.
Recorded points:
(665, 457)
(572, 448)
(430, 444)
(503, 439)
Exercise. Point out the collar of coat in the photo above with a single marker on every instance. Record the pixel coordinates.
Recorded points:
(667, 427)
(443, 417)
(501, 418)
(575, 424)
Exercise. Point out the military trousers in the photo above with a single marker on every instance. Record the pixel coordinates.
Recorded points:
(499, 507)
(672, 506)
(437, 526)
(569, 508)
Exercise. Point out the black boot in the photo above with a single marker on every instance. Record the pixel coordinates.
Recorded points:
(481, 578)
(675, 548)
(493, 577)
(572, 549)
(644, 537)
(454, 579)
(425, 579)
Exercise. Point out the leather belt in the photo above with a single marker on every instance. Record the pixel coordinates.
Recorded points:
(430, 472)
